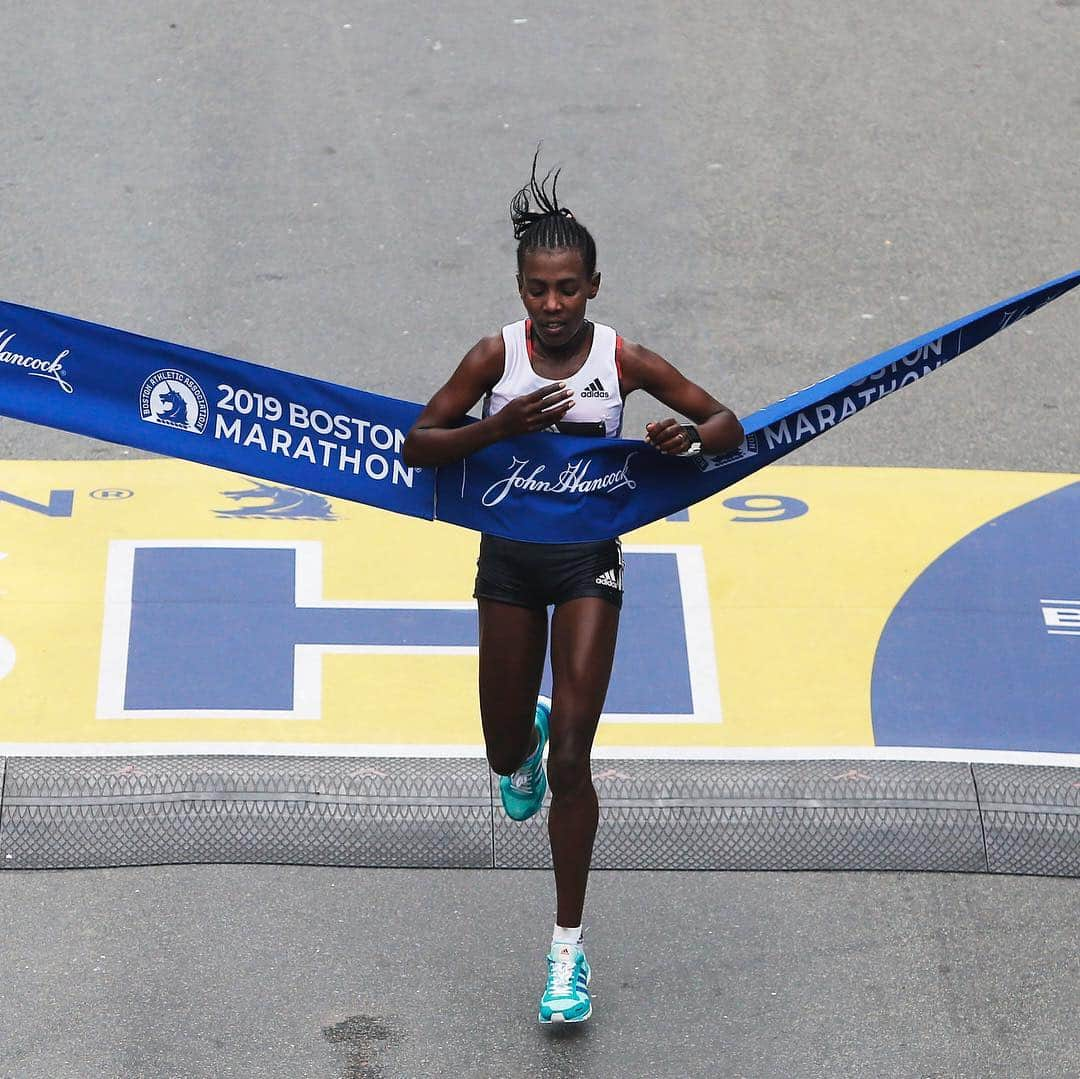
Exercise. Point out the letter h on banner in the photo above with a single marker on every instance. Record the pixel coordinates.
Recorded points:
(205, 629)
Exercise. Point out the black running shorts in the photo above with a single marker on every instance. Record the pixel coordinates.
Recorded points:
(541, 574)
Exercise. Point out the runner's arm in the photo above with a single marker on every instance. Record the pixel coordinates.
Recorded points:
(441, 435)
(717, 425)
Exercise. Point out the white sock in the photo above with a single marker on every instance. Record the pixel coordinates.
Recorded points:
(563, 935)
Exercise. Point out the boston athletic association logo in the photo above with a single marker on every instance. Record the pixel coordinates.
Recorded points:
(174, 399)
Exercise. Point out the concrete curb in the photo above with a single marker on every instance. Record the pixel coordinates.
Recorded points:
(66, 812)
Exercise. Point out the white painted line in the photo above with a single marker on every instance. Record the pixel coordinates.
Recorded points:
(697, 753)
(700, 643)
(7, 657)
(115, 628)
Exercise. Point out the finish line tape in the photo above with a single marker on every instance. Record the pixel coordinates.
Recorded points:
(153, 395)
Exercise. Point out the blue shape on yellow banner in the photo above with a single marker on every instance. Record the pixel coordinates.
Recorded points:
(983, 650)
(651, 675)
(215, 628)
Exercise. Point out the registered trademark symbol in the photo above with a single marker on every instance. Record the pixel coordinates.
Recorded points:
(111, 494)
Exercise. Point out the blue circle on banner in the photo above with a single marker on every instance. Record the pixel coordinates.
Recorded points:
(983, 650)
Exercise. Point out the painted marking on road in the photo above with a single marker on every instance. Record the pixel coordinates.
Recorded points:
(306, 679)
(1061, 612)
(823, 619)
(180, 625)
(476, 752)
(700, 643)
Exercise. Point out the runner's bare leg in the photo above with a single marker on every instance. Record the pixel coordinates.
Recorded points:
(512, 644)
(583, 633)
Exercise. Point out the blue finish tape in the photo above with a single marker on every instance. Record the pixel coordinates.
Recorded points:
(114, 385)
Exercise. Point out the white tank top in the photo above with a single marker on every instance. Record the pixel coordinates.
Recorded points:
(598, 403)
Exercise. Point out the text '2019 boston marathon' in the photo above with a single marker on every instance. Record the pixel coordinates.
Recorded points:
(336, 441)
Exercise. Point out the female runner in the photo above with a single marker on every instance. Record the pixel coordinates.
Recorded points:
(557, 371)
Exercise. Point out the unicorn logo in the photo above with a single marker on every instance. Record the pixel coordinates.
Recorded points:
(174, 407)
(277, 502)
(172, 398)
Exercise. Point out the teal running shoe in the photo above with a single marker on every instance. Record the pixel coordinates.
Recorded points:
(566, 995)
(523, 792)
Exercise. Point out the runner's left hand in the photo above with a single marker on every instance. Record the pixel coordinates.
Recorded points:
(668, 436)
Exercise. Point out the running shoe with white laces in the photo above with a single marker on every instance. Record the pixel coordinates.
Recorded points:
(523, 792)
(566, 995)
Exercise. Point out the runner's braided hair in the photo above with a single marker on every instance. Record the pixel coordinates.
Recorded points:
(549, 226)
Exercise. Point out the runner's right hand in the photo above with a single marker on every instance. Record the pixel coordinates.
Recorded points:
(534, 411)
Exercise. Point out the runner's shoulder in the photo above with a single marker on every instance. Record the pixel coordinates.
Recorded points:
(483, 364)
(639, 364)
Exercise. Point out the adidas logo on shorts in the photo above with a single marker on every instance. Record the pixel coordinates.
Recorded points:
(594, 389)
(611, 578)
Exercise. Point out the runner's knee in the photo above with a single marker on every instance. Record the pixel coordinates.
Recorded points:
(505, 761)
(506, 755)
(569, 771)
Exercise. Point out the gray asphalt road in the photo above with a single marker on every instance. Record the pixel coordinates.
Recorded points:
(243, 971)
(777, 190)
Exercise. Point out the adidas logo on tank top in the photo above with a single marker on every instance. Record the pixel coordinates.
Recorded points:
(594, 389)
